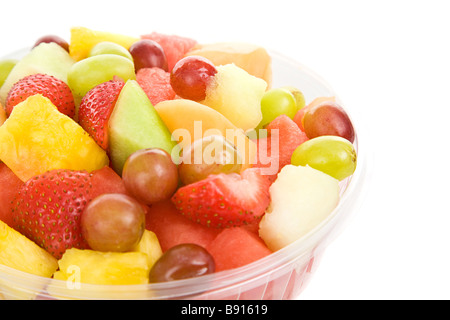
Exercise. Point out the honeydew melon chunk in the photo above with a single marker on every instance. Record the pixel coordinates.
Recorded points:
(134, 124)
(301, 198)
(46, 58)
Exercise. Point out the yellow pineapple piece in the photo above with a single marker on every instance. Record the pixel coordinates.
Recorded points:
(37, 137)
(149, 245)
(82, 40)
(252, 58)
(103, 268)
(19, 252)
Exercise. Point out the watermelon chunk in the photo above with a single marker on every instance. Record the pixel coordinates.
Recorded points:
(106, 180)
(156, 84)
(174, 46)
(290, 136)
(10, 185)
(236, 247)
(171, 228)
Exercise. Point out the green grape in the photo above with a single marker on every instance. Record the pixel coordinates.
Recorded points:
(276, 102)
(107, 47)
(5, 68)
(298, 95)
(332, 155)
(87, 73)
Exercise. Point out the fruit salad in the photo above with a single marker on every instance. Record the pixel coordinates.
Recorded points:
(155, 158)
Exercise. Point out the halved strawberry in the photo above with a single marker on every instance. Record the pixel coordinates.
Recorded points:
(96, 108)
(47, 208)
(225, 200)
(48, 86)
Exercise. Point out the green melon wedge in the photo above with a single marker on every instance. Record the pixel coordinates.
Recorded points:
(134, 124)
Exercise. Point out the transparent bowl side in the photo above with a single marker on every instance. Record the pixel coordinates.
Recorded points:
(281, 275)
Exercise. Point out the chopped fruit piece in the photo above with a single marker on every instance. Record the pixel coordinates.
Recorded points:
(156, 84)
(150, 175)
(107, 47)
(52, 38)
(183, 261)
(224, 200)
(172, 228)
(54, 89)
(106, 268)
(18, 252)
(328, 118)
(5, 68)
(252, 58)
(237, 95)
(37, 138)
(190, 121)
(275, 151)
(90, 72)
(46, 58)
(82, 40)
(113, 222)
(332, 155)
(236, 247)
(174, 46)
(135, 125)
(2, 115)
(96, 108)
(10, 186)
(149, 245)
(47, 209)
(54, 202)
(148, 54)
(301, 199)
(191, 76)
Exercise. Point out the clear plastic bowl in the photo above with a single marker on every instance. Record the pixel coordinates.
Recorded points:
(281, 275)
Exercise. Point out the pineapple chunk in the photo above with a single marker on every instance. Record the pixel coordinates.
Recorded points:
(104, 268)
(237, 95)
(37, 137)
(18, 252)
(149, 245)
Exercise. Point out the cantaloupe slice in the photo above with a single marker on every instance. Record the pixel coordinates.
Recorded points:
(189, 121)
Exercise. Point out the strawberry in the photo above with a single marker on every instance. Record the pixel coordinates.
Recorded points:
(96, 108)
(50, 87)
(48, 207)
(225, 200)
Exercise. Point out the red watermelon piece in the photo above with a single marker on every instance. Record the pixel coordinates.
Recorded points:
(174, 46)
(156, 84)
(236, 247)
(171, 228)
(106, 180)
(290, 136)
(10, 185)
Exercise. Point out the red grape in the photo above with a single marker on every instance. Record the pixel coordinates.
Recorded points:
(113, 222)
(328, 118)
(53, 38)
(190, 77)
(150, 175)
(148, 54)
(182, 261)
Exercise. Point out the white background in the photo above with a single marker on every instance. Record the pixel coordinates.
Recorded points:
(389, 61)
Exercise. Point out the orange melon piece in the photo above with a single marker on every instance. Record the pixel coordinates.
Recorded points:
(252, 58)
(37, 137)
(2, 114)
(82, 40)
(189, 121)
